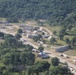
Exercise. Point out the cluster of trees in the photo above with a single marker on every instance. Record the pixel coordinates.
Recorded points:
(39, 66)
(65, 30)
(18, 59)
(14, 53)
(52, 68)
(41, 48)
(1, 35)
(37, 38)
(53, 40)
(56, 11)
(73, 43)
(19, 31)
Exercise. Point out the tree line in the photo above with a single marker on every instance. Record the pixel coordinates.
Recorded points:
(56, 11)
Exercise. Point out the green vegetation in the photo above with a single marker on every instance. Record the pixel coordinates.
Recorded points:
(59, 14)
(18, 36)
(1, 35)
(63, 35)
(55, 61)
(41, 48)
(18, 59)
(56, 11)
(53, 40)
(37, 38)
(71, 52)
(19, 31)
(11, 57)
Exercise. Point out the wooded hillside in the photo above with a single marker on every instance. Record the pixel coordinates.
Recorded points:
(57, 11)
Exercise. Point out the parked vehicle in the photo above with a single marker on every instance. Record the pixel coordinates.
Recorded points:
(45, 57)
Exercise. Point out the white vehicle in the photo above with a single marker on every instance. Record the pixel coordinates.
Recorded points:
(34, 50)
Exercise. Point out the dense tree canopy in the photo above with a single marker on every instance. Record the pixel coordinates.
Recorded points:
(18, 59)
(13, 54)
(53, 40)
(19, 30)
(57, 11)
(58, 70)
(55, 61)
(18, 36)
(1, 35)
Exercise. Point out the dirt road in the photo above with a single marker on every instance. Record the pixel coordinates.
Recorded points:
(53, 54)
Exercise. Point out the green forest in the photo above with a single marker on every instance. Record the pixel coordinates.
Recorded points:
(58, 12)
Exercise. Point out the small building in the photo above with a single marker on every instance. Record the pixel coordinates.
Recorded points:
(62, 48)
(44, 32)
(40, 42)
(28, 32)
(24, 34)
(22, 25)
(36, 27)
(45, 36)
(23, 31)
(23, 40)
(28, 28)
(34, 32)
(1, 21)
(8, 24)
(34, 50)
(39, 30)
(49, 37)
(43, 55)
(2, 27)
(31, 35)
(45, 45)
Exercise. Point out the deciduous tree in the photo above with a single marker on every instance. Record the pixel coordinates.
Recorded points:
(55, 61)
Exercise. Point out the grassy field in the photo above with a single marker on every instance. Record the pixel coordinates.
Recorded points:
(3, 19)
(71, 52)
(58, 43)
(72, 32)
(1, 41)
(53, 28)
(12, 29)
(61, 42)
(32, 41)
(31, 22)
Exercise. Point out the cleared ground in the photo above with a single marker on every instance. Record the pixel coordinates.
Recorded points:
(71, 52)
(52, 29)
(59, 42)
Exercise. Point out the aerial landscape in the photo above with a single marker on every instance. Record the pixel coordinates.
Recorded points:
(37, 37)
